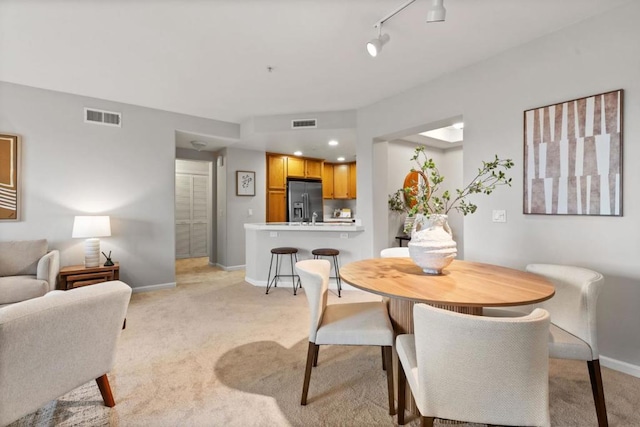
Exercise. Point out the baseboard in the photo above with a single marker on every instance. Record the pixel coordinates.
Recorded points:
(225, 268)
(618, 365)
(154, 287)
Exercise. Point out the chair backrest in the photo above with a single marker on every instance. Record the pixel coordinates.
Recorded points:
(482, 369)
(573, 307)
(55, 343)
(314, 276)
(394, 253)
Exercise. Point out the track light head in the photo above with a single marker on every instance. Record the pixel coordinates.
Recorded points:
(375, 45)
(437, 12)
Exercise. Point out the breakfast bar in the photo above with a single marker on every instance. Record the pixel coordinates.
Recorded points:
(260, 238)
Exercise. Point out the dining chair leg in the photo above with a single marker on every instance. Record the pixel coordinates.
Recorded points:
(105, 391)
(315, 356)
(426, 421)
(402, 386)
(384, 365)
(595, 375)
(388, 362)
(307, 373)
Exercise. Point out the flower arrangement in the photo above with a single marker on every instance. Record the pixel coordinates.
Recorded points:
(423, 196)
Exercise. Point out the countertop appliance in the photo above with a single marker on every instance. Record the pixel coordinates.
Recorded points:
(304, 198)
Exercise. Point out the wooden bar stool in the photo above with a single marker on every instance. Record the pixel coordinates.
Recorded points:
(317, 253)
(293, 257)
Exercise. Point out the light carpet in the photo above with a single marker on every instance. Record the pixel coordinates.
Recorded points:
(217, 351)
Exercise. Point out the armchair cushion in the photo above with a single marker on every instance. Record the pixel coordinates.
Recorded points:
(21, 257)
(19, 288)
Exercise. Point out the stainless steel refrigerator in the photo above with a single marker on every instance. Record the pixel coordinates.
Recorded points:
(304, 198)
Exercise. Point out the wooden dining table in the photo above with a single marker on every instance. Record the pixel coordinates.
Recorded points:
(463, 286)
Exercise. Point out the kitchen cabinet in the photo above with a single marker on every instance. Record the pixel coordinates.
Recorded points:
(276, 172)
(276, 206)
(279, 168)
(339, 181)
(352, 180)
(327, 181)
(304, 168)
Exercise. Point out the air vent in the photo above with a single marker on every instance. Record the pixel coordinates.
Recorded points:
(101, 117)
(304, 124)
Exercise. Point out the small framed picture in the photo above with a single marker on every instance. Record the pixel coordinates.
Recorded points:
(245, 183)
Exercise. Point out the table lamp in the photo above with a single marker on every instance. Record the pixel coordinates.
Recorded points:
(91, 227)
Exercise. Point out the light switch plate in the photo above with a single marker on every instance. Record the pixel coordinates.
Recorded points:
(344, 235)
(273, 234)
(499, 216)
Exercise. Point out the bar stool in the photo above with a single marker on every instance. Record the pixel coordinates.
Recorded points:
(317, 253)
(293, 257)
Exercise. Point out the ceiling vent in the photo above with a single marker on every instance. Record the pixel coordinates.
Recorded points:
(101, 117)
(304, 124)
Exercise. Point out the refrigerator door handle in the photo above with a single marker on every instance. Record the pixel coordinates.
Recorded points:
(305, 206)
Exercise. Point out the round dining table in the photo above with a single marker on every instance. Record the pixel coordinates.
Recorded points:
(463, 286)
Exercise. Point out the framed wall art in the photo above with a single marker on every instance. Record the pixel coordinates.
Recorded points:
(245, 183)
(573, 157)
(9, 177)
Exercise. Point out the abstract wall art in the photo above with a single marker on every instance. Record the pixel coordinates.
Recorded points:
(9, 177)
(573, 157)
(245, 183)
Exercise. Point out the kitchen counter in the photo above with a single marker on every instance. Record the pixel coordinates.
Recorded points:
(296, 226)
(260, 238)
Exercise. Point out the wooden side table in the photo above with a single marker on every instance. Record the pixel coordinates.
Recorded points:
(75, 276)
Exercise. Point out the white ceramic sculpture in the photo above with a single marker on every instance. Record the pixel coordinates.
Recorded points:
(432, 246)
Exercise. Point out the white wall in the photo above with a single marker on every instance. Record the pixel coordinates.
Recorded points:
(591, 57)
(235, 212)
(72, 168)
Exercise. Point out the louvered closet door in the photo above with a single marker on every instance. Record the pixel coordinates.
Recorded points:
(192, 231)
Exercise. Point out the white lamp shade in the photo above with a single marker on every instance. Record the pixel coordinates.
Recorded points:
(91, 226)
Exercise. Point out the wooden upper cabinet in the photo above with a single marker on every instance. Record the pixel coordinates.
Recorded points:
(341, 181)
(327, 181)
(313, 168)
(276, 172)
(352, 180)
(304, 168)
(295, 167)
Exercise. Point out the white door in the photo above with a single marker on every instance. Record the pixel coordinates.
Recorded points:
(192, 216)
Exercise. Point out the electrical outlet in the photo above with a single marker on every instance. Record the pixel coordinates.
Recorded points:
(250, 212)
(344, 235)
(499, 216)
(273, 234)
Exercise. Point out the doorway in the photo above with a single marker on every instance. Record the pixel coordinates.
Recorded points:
(192, 208)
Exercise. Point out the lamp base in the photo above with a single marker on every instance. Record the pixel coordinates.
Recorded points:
(92, 252)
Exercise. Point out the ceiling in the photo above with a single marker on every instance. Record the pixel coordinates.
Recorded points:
(210, 58)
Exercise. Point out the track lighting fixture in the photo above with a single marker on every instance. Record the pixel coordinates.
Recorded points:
(375, 45)
(436, 13)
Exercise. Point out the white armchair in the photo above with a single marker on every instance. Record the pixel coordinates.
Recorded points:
(55, 343)
(475, 368)
(27, 270)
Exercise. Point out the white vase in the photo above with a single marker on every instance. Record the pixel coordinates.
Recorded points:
(432, 246)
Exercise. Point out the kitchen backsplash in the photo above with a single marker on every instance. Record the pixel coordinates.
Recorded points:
(332, 206)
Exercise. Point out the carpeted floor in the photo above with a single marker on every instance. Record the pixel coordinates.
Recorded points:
(216, 351)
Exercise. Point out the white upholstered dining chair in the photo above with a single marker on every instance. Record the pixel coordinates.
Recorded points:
(573, 321)
(364, 323)
(395, 252)
(475, 368)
